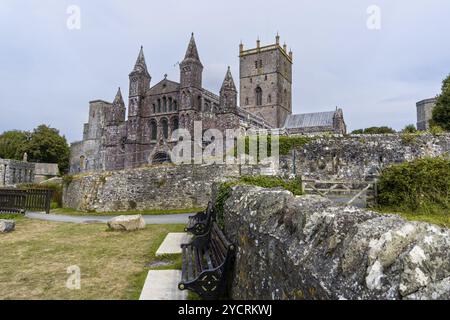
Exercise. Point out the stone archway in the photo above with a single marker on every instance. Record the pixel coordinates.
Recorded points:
(161, 157)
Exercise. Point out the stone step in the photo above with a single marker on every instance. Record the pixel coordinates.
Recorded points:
(163, 285)
(172, 243)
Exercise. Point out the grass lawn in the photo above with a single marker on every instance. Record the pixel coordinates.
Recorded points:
(442, 220)
(35, 257)
(73, 212)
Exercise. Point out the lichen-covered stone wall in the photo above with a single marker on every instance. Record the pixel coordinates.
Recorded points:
(155, 187)
(305, 248)
(358, 157)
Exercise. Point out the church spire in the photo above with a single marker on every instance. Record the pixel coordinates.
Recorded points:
(192, 52)
(118, 100)
(228, 82)
(140, 65)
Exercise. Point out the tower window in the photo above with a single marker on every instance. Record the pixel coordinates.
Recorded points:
(256, 64)
(265, 77)
(260, 63)
(251, 80)
(259, 94)
(269, 99)
(246, 101)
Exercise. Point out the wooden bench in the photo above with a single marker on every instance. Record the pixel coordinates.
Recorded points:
(206, 261)
(199, 224)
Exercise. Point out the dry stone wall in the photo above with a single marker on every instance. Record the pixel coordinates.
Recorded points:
(305, 248)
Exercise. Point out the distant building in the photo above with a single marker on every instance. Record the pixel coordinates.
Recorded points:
(14, 172)
(425, 113)
(45, 171)
(317, 122)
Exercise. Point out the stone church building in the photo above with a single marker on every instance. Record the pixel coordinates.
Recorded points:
(113, 140)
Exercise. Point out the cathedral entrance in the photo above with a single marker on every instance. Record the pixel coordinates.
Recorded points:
(161, 157)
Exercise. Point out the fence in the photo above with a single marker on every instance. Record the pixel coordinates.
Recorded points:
(19, 200)
(360, 193)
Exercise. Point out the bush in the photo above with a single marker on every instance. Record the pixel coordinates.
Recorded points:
(286, 143)
(421, 186)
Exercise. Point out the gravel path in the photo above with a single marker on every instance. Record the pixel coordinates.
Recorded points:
(149, 219)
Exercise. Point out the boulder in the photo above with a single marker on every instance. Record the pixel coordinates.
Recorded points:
(7, 225)
(127, 223)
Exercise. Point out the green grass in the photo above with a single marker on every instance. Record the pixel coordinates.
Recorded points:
(114, 265)
(440, 219)
(73, 212)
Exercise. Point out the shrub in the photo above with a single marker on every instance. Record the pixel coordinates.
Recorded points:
(422, 186)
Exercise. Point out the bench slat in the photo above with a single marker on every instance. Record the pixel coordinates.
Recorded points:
(184, 266)
(190, 272)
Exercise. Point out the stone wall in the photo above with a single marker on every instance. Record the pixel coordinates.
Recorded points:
(359, 157)
(304, 248)
(13, 172)
(155, 187)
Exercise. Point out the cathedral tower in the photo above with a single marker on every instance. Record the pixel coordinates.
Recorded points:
(266, 81)
(139, 84)
(191, 70)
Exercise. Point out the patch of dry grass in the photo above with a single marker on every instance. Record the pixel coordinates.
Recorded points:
(34, 260)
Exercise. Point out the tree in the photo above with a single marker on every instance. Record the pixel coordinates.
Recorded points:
(441, 113)
(374, 130)
(47, 145)
(12, 144)
(410, 128)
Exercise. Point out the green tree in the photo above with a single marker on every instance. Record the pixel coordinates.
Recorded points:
(441, 113)
(410, 128)
(12, 144)
(47, 145)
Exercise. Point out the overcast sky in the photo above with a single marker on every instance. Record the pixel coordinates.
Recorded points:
(49, 73)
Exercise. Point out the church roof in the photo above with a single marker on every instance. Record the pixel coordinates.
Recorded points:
(315, 119)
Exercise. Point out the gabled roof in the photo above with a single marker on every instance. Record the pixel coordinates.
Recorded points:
(164, 85)
(315, 119)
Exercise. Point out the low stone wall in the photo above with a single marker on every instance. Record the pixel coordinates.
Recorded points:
(358, 157)
(304, 248)
(156, 187)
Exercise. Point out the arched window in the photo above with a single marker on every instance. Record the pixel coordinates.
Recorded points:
(165, 104)
(154, 108)
(165, 128)
(246, 101)
(175, 124)
(170, 104)
(259, 94)
(153, 130)
(159, 105)
(175, 106)
(269, 99)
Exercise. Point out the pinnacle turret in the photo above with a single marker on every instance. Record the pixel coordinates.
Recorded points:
(192, 52)
(140, 65)
(118, 100)
(228, 82)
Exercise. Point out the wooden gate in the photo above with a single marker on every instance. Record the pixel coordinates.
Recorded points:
(19, 200)
(361, 193)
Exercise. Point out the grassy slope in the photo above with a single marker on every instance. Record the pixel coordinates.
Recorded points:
(114, 265)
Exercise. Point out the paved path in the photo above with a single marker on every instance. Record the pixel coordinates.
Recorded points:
(172, 243)
(149, 219)
(163, 285)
